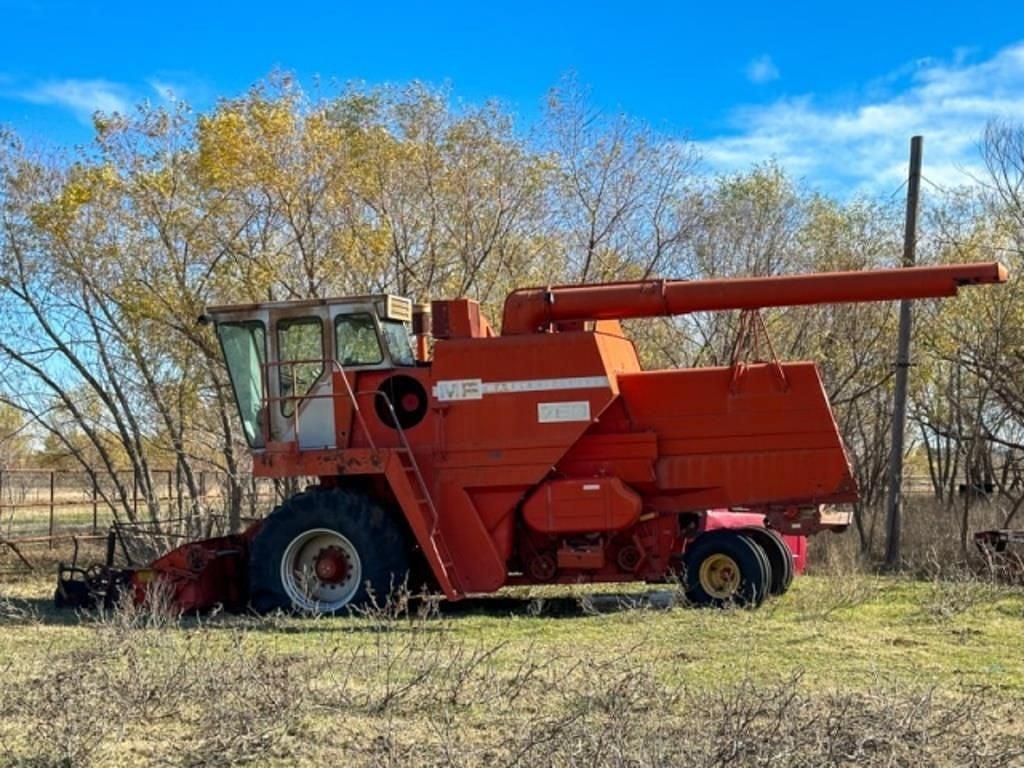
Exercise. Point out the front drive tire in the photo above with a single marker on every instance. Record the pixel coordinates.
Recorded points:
(726, 568)
(326, 551)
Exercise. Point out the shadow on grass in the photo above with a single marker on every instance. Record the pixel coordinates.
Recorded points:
(561, 606)
(19, 611)
(24, 611)
(433, 617)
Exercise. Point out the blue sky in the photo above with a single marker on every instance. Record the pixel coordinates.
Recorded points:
(832, 91)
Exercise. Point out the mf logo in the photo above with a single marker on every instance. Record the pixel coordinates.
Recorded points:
(459, 389)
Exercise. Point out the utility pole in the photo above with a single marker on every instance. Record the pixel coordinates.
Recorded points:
(894, 500)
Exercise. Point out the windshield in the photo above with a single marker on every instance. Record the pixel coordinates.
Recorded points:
(399, 344)
(245, 351)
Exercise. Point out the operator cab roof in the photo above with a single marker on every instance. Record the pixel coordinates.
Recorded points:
(387, 305)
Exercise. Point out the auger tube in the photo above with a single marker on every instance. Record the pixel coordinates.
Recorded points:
(532, 310)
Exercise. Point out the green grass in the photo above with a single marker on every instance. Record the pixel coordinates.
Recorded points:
(836, 631)
(905, 671)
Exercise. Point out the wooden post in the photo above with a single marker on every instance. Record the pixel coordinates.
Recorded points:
(53, 479)
(894, 501)
(95, 506)
(177, 487)
(2, 499)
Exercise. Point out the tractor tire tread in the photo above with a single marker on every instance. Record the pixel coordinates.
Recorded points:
(755, 572)
(372, 530)
(779, 555)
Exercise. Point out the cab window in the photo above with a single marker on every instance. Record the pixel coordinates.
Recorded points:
(396, 335)
(356, 341)
(300, 347)
(245, 352)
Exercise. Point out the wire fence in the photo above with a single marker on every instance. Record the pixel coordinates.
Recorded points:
(45, 505)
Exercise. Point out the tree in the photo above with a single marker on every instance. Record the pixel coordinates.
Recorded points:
(15, 435)
(109, 254)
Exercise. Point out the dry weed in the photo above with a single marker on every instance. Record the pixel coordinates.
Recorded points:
(139, 687)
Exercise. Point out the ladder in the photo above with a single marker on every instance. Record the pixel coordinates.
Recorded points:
(421, 493)
(429, 511)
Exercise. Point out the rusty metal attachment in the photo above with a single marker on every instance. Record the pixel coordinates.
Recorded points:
(94, 586)
(1003, 551)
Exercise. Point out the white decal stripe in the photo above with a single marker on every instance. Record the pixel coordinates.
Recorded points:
(474, 389)
(544, 385)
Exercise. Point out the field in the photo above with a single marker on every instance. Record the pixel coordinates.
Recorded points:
(846, 669)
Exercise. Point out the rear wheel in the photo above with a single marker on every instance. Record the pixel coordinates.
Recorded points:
(325, 551)
(726, 568)
(780, 558)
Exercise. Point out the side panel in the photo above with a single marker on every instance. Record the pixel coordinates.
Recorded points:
(316, 418)
(756, 440)
(629, 456)
(508, 409)
(581, 506)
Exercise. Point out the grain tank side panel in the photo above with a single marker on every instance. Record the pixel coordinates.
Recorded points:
(756, 439)
(629, 456)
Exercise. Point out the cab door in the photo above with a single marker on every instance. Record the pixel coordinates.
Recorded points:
(303, 407)
(357, 347)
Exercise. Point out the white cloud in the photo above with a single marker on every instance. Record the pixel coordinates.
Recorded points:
(175, 86)
(165, 90)
(762, 70)
(862, 145)
(82, 97)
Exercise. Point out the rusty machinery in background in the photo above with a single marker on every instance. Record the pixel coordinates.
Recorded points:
(1003, 552)
(540, 455)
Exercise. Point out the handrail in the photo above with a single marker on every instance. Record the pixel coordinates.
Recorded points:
(408, 449)
(267, 399)
(354, 400)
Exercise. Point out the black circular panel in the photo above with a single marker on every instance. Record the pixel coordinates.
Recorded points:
(408, 398)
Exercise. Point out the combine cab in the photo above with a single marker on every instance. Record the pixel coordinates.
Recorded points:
(541, 455)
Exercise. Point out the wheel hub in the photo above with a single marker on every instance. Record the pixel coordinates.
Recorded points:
(720, 576)
(321, 570)
(331, 565)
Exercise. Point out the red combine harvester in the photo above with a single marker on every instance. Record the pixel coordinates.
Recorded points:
(540, 455)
